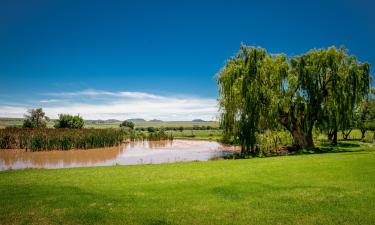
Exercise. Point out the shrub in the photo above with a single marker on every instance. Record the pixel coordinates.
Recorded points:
(127, 123)
(36, 119)
(151, 129)
(69, 121)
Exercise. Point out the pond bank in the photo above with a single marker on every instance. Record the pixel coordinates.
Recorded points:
(130, 153)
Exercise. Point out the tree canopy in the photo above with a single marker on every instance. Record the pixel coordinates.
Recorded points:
(35, 118)
(69, 121)
(260, 91)
(365, 117)
(127, 123)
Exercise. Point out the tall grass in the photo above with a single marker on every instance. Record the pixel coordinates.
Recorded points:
(59, 139)
(149, 136)
(64, 139)
(159, 135)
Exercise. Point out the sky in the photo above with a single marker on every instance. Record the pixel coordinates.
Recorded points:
(155, 59)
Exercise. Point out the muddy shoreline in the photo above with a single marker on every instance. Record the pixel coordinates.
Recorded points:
(129, 153)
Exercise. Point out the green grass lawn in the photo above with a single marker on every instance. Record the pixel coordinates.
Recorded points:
(198, 134)
(332, 188)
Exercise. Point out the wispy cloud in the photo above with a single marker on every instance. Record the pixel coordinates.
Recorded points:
(95, 93)
(49, 100)
(98, 104)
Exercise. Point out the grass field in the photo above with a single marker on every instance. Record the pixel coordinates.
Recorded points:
(5, 122)
(336, 188)
(198, 134)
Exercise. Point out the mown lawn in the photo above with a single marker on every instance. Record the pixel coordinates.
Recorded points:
(332, 188)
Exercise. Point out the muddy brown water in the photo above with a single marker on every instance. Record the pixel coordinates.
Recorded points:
(132, 153)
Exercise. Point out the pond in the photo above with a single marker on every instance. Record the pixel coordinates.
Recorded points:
(132, 153)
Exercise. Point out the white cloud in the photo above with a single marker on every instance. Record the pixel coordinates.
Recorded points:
(12, 111)
(95, 93)
(96, 104)
(49, 100)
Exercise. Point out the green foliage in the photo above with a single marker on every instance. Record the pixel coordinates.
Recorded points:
(64, 139)
(365, 118)
(59, 139)
(159, 135)
(260, 91)
(151, 129)
(69, 121)
(127, 123)
(36, 118)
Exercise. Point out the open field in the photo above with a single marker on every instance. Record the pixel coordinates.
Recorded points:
(335, 188)
(6, 122)
(198, 134)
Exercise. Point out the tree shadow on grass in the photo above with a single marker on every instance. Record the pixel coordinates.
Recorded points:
(327, 147)
(158, 222)
(341, 145)
(55, 204)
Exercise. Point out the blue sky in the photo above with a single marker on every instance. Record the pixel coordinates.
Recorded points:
(82, 56)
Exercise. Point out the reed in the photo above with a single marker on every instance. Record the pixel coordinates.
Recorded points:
(46, 139)
(159, 135)
(59, 139)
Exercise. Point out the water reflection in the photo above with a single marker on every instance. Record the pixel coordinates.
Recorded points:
(132, 153)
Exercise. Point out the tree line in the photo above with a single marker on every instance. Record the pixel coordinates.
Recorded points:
(36, 118)
(325, 89)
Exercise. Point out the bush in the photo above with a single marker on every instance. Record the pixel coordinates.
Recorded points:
(36, 119)
(151, 129)
(69, 121)
(127, 123)
(159, 135)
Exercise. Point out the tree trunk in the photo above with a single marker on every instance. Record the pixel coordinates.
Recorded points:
(334, 137)
(302, 139)
(345, 134)
(330, 135)
(363, 132)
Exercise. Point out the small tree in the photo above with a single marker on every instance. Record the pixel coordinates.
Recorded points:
(151, 129)
(127, 123)
(69, 121)
(36, 119)
(181, 128)
(366, 114)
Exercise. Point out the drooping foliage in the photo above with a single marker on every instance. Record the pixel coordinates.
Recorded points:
(260, 91)
(344, 84)
(366, 114)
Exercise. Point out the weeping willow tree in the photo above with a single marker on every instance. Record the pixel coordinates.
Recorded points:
(244, 100)
(259, 91)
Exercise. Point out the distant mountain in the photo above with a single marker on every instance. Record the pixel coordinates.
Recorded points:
(198, 120)
(155, 120)
(137, 120)
(102, 121)
(112, 121)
